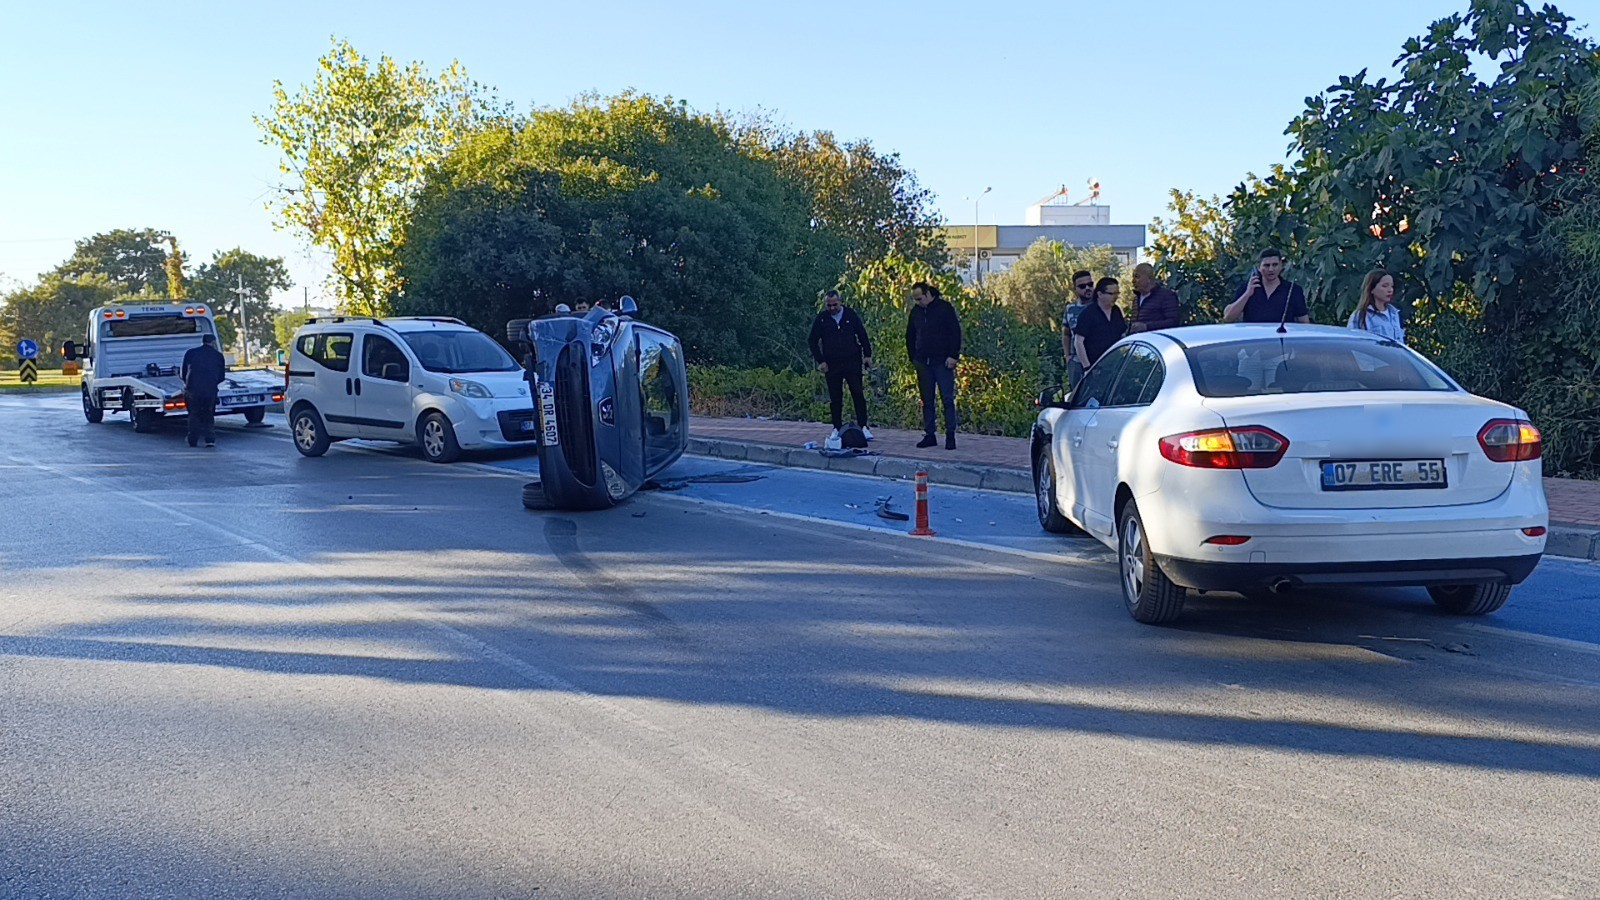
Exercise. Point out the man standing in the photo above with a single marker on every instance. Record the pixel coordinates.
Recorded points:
(1267, 297)
(203, 369)
(1101, 325)
(933, 341)
(1157, 306)
(840, 345)
(1083, 296)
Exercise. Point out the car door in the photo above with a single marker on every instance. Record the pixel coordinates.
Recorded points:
(1104, 435)
(1072, 481)
(327, 380)
(383, 390)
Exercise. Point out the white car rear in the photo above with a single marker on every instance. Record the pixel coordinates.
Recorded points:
(1239, 458)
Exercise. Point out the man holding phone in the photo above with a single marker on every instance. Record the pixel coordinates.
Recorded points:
(1267, 297)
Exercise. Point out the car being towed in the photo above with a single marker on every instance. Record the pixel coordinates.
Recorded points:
(1249, 457)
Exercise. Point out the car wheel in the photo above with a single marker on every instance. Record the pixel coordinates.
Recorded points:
(255, 414)
(91, 412)
(146, 420)
(310, 436)
(1151, 597)
(1478, 599)
(438, 439)
(533, 496)
(1044, 495)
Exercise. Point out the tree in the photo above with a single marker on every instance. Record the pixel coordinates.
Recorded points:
(217, 283)
(285, 324)
(1194, 253)
(173, 266)
(133, 258)
(355, 146)
(1038, 286)
(55, 310)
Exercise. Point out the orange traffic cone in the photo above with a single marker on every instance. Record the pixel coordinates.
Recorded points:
(922, 529)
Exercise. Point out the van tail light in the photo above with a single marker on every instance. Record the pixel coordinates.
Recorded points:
(1250, 447)
(1510, 440)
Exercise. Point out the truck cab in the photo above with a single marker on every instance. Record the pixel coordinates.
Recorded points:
(133, 358)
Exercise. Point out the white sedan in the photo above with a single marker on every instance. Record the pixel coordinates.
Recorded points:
(1249, 458)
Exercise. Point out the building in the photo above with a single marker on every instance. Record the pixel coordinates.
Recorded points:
(989, 249)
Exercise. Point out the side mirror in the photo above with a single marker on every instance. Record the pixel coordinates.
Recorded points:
(69, 351)
(1047, 398)
(628, 306)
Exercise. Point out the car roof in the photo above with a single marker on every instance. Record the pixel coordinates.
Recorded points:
(1203, 335)
(398, 324)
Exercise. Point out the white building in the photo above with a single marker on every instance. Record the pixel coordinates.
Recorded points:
(994, 248)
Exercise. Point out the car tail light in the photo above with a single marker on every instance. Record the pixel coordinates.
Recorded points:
(1535, 531)
(1250, 447)
(1510, 440)
(277, 398)
(175, 404)
(1227, 540)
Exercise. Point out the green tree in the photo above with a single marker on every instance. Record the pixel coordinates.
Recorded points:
(135, 259)
(285, 324)
(1038, 286)
(173, 266)
(55, 310)
(355, 145)
(217, 282)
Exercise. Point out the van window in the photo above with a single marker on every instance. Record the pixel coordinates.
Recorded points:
(331, 351)
(380, 358)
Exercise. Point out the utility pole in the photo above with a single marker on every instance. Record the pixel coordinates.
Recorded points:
(244, 335)
(977, 273)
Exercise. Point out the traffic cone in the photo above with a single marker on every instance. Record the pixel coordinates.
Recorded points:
(922, 529)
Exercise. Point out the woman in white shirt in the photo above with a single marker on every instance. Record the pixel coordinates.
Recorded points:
(1376, 312)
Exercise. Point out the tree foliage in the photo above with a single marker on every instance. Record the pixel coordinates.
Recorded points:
(285, 324)
(136, 259)
(1038, 286)
(173, 267)
(355, 146)
(217, 282)
(55, 310)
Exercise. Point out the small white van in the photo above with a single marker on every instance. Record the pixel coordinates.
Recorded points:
(434, 382)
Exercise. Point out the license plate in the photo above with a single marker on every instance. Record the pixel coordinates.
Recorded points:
(547, 413)
(1382, 474)
(247, 400)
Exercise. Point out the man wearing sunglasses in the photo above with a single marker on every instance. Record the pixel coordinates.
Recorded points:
(1083, 296)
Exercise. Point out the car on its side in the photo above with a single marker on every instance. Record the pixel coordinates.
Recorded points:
(430, 381)
(1262, 458)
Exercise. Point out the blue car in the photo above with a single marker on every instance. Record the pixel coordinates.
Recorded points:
(611, 399)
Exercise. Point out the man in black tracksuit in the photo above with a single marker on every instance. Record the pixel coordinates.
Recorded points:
(840, 345)
(933, 341)
(203, 369)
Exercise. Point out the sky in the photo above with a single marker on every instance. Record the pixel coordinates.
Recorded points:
(123, 115)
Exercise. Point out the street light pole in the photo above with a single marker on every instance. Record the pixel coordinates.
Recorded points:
(977, 273)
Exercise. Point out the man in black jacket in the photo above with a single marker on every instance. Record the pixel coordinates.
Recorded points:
(840, 345)
(933, 341)
(203, 369)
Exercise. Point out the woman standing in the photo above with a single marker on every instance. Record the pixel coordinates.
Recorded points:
(1100, 325)
(1376, 312)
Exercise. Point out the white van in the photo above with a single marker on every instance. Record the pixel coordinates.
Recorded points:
(430, 381)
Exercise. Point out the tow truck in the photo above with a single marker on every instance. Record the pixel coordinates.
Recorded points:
(133, 355)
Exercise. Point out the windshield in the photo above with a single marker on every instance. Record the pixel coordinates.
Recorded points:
(153, 326)
(453, 352)
(1310, 366)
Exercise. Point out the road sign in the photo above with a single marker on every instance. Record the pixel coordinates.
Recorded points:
(27, 349)
(29, 373)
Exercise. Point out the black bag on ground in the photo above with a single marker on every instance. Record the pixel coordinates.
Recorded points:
(851, 438)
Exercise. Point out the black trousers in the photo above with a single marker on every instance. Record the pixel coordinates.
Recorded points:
(839, 372)
(931, 375)
(202, 418)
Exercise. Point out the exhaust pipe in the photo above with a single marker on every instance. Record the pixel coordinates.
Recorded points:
(1280, 585)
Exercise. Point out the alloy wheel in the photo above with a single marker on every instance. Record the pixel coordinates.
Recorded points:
(305, 433)
(1132, 560)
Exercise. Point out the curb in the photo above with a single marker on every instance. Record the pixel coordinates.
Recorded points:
(1569, 541)
(991, 478)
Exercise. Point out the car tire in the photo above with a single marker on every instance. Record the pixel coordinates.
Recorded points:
(533, 496)
(310, 436)
(1477, 599)
(254, 414)
(1044, 495)
(438, 439)
(93, 413)
(146, 420)
(1150, 596)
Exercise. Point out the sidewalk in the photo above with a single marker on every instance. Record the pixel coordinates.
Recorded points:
(1001, 463)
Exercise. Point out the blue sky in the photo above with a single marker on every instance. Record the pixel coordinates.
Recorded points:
(120, 115)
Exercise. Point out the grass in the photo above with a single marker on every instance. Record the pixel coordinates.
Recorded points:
(49, 380)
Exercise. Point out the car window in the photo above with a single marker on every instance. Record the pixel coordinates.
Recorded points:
(451, 352)
(1142, 365)
(663, 403)
(1152, 386)
(1309, 366)
(331, 351)
(380, 358)
(1095, 389)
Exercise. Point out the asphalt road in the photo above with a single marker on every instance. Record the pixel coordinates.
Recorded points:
(238, 672)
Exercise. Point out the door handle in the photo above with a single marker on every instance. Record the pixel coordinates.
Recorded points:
(1111, 444)
(347, 388)
(358, 387)
(1077, 441)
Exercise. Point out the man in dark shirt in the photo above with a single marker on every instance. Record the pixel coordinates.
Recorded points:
(1156, 306)
(840, 345)
(1267, 297)
(1101, 325)
(203, 369)
(933, 341)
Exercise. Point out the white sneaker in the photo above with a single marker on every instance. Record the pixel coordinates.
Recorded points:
(832, 443)
(866, 432)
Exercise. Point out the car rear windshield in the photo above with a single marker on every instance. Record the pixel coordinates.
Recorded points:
(151, 326)
(1309, 366)
(451, 352)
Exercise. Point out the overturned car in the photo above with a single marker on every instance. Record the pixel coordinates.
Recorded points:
(610, 404)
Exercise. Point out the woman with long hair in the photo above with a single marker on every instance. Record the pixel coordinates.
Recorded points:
(1376, 311)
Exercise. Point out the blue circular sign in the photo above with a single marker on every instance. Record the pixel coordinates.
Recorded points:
(27, 349)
